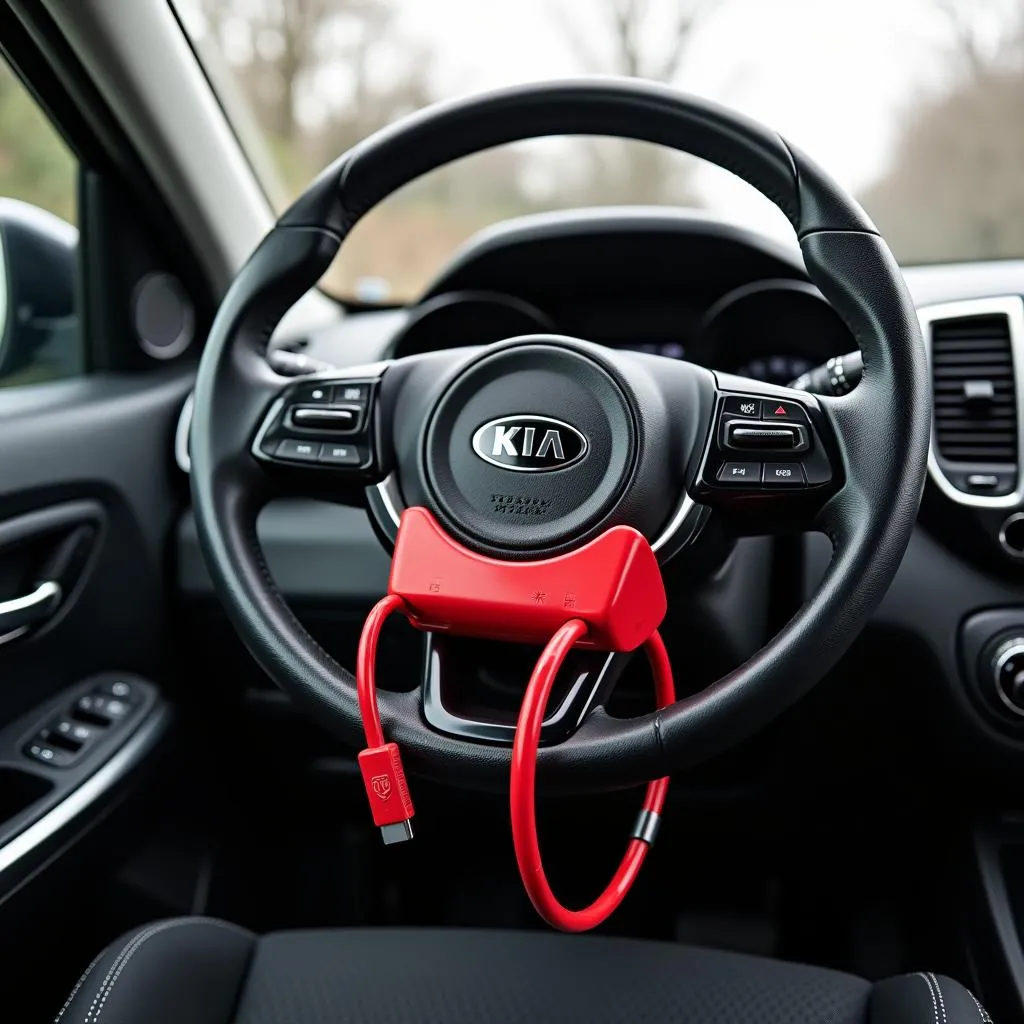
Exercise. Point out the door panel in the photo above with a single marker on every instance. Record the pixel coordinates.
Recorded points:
(45, 560)
(107, 440)
(85, 708)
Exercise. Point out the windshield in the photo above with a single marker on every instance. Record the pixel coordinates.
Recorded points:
(915, 106)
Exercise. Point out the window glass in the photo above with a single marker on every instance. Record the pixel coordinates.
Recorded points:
(913, 105)
(40, 330)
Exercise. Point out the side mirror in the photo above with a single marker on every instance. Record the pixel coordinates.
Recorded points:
(39, 323)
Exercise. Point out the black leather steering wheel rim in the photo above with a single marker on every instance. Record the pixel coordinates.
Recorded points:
(882, 427)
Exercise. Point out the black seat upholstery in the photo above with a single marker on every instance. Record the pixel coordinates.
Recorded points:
(201, 971)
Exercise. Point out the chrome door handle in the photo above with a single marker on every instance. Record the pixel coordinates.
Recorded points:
(19, 613)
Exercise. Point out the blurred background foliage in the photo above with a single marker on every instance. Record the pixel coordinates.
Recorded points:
(35, 164)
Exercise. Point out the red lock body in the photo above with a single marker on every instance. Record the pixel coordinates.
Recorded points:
(613, 584)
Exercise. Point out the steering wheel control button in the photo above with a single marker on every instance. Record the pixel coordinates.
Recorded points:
(313, 394)
(339, 418)
(356, 394)
(783, 474)
(777, 411)
(298, 451)
(340, 455)
(742, 405)
(740, 474)
(764, 436)
(308, 420)
(780, 430)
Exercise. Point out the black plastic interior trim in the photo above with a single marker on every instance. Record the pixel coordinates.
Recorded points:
(58, 521)
(45, 521)
(120, 246)
(603, 222)
(65, 782)
(1000, 969)
(218, 97)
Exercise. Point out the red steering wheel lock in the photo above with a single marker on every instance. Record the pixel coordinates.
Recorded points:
(613, 584)
(607, 595)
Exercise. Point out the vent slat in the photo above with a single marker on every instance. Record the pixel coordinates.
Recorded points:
(965, 345)
(970, 360)
(968, 349)
(956, 419)
(969, 438)
(975, 433)
(970, 327)
(955, 397)
(981, 456)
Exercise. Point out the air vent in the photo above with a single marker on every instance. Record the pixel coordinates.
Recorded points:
(975, 397)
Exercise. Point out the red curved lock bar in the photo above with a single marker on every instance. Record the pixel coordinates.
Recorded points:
(522, 793)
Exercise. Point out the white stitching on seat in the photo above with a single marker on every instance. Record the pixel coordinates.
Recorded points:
(78, 984)
(982, 1012)
(141, 939)
(938, 992)
(131, 948)
(103, 984)
(127, 954)
(931, 992)
(126, 951)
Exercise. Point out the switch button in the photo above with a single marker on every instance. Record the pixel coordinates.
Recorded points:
(740, 473)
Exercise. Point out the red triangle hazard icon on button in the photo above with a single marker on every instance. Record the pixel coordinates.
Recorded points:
(781, 411)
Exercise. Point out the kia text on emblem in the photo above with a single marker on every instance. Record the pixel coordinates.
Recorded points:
(529, 444)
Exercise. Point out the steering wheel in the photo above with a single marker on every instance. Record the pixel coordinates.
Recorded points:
(534, 446)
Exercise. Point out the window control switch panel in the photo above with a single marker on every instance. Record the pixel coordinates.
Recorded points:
(83, 723)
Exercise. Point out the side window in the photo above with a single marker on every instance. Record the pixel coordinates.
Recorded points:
(40, 329)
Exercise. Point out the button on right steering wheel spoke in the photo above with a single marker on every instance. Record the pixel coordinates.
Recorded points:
(770, 462)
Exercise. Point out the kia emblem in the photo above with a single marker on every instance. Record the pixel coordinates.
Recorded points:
(529, 444)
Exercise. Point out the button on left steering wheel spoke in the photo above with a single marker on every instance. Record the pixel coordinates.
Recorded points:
(323, 431)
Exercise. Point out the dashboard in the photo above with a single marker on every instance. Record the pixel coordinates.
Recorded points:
(680, 287)
(693, 287)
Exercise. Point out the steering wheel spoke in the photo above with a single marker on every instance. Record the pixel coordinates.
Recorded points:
(473, 693)
(771, 461)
